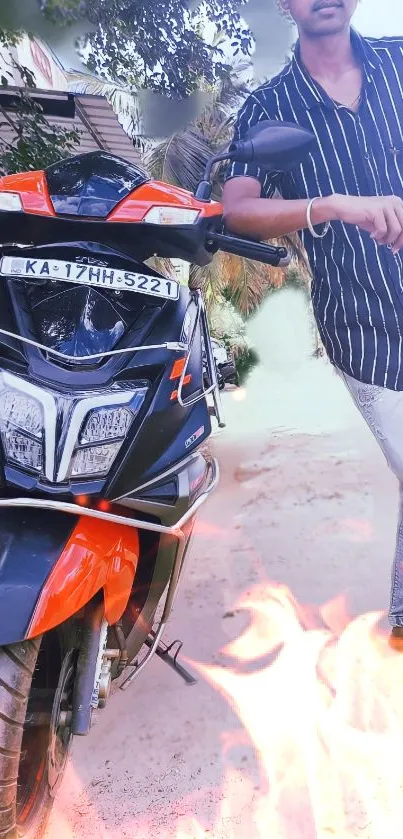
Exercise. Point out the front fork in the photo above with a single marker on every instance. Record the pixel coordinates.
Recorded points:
(94, 633)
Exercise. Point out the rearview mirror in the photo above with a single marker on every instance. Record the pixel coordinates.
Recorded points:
(274, 145)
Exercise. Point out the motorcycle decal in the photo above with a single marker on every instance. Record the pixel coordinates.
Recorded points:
(194, 437)
(99, 555)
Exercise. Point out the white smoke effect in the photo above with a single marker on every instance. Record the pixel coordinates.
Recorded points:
(290, 391)
(282, 332)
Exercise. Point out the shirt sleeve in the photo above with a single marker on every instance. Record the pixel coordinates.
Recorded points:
(250, 115)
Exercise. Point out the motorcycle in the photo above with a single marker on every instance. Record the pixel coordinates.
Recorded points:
(103, 411)
(225, 365)
(224, 361)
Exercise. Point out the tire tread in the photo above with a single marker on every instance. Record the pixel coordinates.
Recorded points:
(17, 664)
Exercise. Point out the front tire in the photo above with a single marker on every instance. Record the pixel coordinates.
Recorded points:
(29, 683)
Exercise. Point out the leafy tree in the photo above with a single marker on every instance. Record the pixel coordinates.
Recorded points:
(156, 44)
(181, 160)
(37, 143)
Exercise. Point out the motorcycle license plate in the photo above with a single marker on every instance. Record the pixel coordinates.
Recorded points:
(89, 275)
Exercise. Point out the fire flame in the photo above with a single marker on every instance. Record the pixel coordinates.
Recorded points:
(324, 713)
(320, 699)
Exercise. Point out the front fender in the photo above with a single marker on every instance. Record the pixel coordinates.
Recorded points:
(52, 564)
(98, 555)
(31, 542)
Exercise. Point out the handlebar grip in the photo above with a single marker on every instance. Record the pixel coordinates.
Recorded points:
(278, 257)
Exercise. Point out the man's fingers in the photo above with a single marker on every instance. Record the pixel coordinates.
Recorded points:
(394, 227)
(379, 226)
(398, 243)
(387, 223)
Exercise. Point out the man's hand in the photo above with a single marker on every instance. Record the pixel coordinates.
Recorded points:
(379, 216)
(247, 214)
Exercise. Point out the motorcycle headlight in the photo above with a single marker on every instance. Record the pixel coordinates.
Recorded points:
(95, 426)
(21, 410)
(22, 449)
(106, 424)
(21, 428)
(103, 430)
(94, 460)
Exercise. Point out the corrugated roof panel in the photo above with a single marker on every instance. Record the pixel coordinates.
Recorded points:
(95, 119)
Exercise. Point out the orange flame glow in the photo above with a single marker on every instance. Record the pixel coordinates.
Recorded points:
(325, 715)
(320, 698)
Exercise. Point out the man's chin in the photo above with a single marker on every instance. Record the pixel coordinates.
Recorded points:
(324, 29)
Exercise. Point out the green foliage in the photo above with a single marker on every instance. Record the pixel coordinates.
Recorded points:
(245, 362)
(156, 44)
(297, 277)
(37, 142)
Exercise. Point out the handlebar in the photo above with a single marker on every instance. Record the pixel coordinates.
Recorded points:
(278, 257)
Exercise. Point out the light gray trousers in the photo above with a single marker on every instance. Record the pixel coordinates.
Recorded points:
(383, 411)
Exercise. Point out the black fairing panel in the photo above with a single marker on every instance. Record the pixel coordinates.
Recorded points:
(91, 184)
(81, 320)
(31, 543)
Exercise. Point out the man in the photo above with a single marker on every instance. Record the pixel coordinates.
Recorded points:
(346, 200)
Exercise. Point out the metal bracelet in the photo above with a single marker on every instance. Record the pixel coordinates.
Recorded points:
(309, 221)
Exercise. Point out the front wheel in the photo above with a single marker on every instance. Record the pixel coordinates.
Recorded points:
(36, 682)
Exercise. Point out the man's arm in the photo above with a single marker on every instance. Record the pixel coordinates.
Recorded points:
(246, 213)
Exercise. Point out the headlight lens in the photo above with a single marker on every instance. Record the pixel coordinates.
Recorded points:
(106, 427)
(21, 413)
(95, 427)
(171, 215)
(94, 460)
(106, 424)
(20, 409)
(22, 449)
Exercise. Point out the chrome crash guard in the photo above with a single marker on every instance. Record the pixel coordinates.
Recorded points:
(175, 530)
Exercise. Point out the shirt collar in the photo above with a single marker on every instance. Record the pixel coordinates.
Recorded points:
(312, 93)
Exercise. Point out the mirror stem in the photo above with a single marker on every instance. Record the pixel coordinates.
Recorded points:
(204, 188)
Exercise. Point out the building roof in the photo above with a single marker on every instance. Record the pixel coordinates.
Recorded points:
(92, 115)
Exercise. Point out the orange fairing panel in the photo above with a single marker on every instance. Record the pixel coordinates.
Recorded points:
(33, 191)
(99, 555)
(157, 194)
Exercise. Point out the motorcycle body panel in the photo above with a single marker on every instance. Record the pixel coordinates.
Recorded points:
(31, 544)
(65, 347)
(99, 555)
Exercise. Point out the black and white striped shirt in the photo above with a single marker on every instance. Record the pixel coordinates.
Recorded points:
(357, 288)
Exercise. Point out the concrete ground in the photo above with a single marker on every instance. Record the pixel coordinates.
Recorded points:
(294, 733)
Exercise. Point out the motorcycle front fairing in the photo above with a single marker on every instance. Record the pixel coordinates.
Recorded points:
(54, 386)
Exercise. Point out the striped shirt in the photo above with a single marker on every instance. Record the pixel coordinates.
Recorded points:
(357, 286)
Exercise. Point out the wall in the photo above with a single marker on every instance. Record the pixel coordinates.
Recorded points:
(38, 58)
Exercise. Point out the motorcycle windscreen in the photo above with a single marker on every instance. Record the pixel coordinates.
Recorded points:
(91, 184)
(83, 321)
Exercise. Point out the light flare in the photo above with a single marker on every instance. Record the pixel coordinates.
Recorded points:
(239, 395)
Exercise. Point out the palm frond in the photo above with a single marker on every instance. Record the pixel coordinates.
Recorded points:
(181, 160)
(210, 280)
(247, 283)
(163, 265)
(123, 100)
